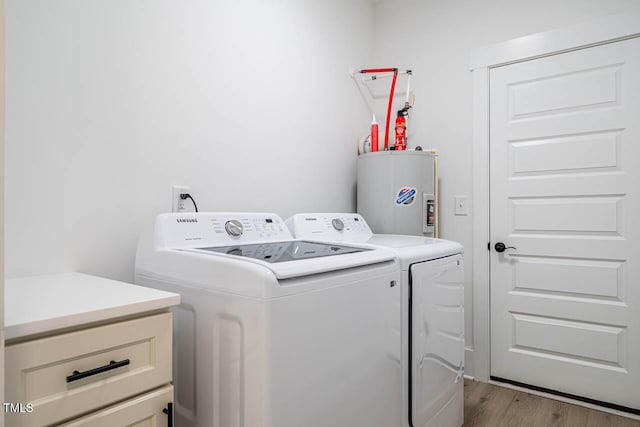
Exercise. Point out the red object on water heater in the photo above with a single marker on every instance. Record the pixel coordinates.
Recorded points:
(401, 130)
(393, 88)
(374, 135)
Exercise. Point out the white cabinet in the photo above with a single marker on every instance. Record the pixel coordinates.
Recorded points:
(113, 372)
(150, 409)
(71, 374)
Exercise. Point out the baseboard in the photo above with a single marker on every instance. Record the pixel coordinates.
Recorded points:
(565, 399)
(468, 362)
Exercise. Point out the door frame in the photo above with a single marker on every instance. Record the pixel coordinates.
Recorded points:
(601, 31)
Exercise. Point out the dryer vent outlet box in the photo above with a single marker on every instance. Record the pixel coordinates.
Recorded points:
(396, 192)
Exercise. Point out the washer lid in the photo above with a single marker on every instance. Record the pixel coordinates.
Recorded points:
(298, 258)
(257, 237)
(274, 252)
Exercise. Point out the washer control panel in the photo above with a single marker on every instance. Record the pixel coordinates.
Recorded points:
(330, 226)
(220, 228)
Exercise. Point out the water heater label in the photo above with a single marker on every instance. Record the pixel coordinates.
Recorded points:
(406, 196)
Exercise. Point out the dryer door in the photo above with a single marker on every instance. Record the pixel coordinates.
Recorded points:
(437, 342)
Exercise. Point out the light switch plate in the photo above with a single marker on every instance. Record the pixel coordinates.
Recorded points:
(461, 205)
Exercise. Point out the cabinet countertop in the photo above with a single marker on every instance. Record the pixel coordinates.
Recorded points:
(40, 304)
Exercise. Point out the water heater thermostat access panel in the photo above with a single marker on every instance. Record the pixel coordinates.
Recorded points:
(428, 213)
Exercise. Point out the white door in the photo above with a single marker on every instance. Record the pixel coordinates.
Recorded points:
(437, 342)
(565, 192)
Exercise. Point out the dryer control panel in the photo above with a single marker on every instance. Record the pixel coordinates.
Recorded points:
(192, 229)
(330, 226)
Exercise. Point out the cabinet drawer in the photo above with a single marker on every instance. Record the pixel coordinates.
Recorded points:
(143, 411)
(41, 372)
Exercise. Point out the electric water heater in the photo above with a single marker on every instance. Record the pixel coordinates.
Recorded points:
(397, 192)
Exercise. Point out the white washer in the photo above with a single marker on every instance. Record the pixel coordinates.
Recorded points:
(432, 296)
(272, 331)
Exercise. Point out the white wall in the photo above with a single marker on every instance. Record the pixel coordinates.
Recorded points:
(2, 123)
(110, 102)
(435, 37)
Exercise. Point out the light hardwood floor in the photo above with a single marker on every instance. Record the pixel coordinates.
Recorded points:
(487, 405)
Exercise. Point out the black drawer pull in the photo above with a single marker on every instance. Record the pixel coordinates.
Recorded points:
(169, 411)
(112, 365)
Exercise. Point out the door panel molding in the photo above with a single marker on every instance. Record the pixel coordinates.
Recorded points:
(578, 345)
(597, 32)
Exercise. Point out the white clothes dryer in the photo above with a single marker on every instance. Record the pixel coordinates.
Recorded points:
(432, 307)
(273, 331)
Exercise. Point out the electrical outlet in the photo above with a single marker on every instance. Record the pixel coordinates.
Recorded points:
(177, 204)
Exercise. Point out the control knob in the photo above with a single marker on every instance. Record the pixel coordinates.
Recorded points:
(233, 228)
(337, 224)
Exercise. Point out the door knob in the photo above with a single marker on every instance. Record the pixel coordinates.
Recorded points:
(501, 247)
